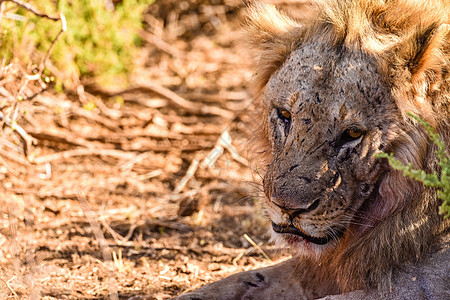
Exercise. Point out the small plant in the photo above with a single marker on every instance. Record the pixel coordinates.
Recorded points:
(101, 41)
(435, 180)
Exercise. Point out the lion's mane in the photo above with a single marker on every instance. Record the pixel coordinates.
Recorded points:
(410, 41)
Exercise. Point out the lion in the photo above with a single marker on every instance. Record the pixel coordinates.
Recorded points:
(330, 93)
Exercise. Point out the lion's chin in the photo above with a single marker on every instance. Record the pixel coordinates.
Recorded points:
(300, 246)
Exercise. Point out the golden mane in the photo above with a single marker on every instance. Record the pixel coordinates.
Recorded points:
(410, 40)
(410, 43)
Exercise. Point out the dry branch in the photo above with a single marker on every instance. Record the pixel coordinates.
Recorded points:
(32, 9)
(62, 137)
(160, 44)
(84, 152)
(50, 49)
(83, 113)
(28, 140)
(16, 158)
(189, 106)
(218, 98)
(129, 164)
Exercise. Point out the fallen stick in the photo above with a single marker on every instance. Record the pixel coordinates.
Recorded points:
(45, 195)
(257, 247)
(30, 8)
(225, 141)
(14, 157)
(8, 168)
(64, 138)
(190, 172)
(160, 44)
(220, 97)
(83, 113)
(187, 105)
(28, 140)
(83, 152)
(129, 164)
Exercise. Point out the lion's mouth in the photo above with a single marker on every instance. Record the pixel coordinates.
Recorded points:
(312, 239)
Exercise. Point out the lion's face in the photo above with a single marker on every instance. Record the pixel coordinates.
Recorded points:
(327, 115)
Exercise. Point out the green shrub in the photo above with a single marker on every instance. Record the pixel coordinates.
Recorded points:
(98, 43)
(435, 180)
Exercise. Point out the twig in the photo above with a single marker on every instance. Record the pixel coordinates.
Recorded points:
(83, 113)
(29, 7)
(61, 18)
(179, 101)
(2, 10)
(44, 195)
(257, 247)
(225, 141)
(160, 44)
(190, 172)
(16, 158)
(83, 152)
(152, 174)
(50, 49)
(29, 140)
(4, 92)
(129, 164)
(114, 114)
(220, 97)
(8, 168)
(63, 137)
(43, 63)
(168, 224)
(212, 157)
(10, 288)
(116, 236)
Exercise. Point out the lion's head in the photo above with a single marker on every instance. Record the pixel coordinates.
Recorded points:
(329, 95)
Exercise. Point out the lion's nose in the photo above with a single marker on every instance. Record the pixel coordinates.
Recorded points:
(297, 210)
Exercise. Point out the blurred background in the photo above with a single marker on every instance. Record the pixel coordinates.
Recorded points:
(123, 142)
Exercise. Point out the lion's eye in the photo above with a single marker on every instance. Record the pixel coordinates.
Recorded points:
(284, 115)
(352, 134)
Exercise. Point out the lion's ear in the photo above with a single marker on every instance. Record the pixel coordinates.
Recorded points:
(429, 63)
(273, 36)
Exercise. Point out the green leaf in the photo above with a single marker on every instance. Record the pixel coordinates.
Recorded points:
(437, 180)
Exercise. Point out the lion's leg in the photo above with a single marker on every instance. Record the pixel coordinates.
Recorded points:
(275, 282)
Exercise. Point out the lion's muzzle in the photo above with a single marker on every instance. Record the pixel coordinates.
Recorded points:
(294, 230)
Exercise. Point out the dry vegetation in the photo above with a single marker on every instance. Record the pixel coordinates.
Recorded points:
(136, 191)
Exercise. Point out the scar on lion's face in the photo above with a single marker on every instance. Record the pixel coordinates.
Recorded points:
(322, 172)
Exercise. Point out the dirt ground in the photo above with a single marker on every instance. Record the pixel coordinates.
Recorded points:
(148, 192)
